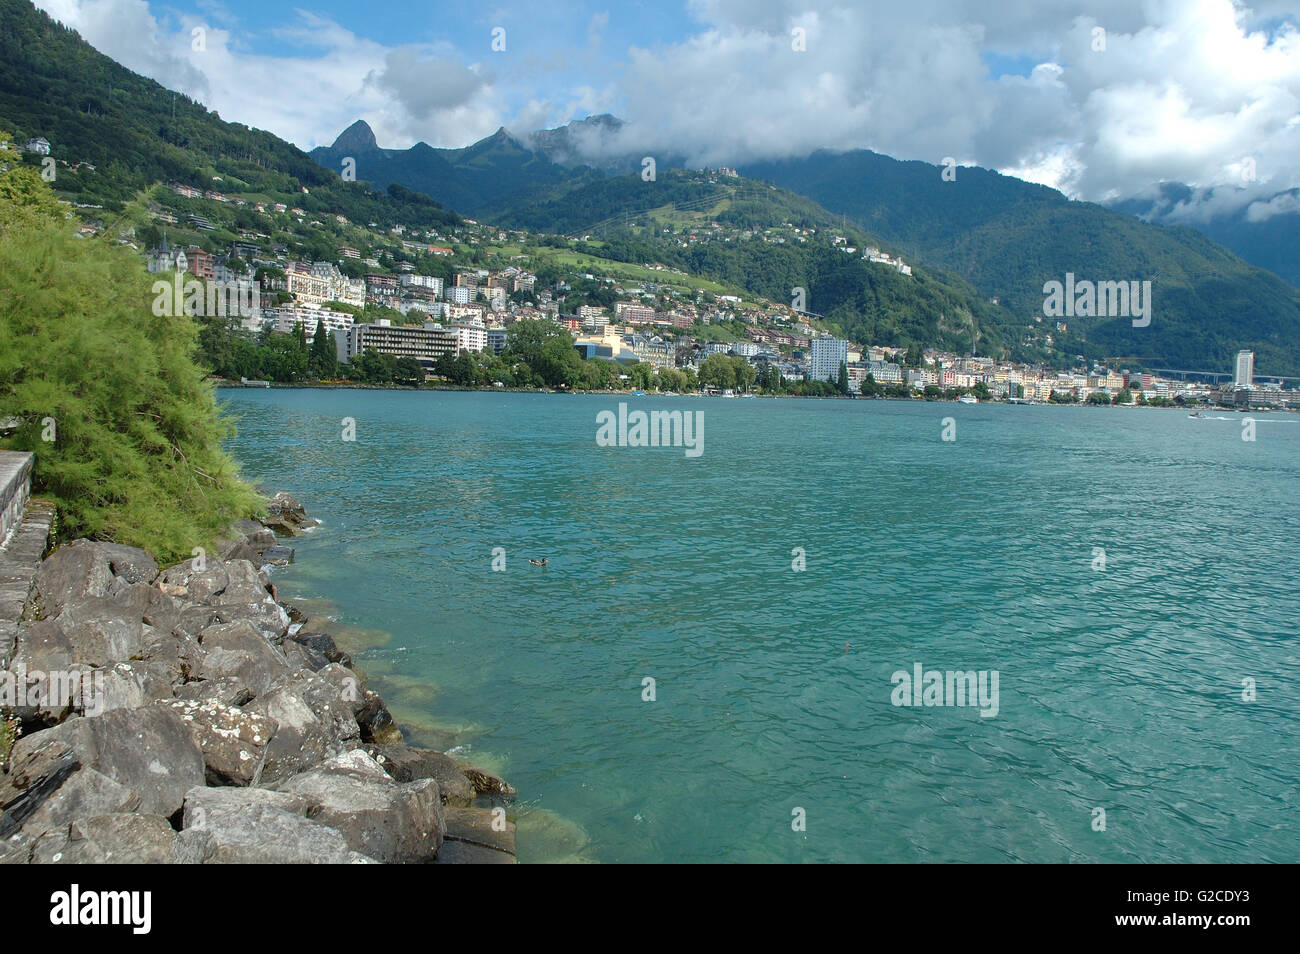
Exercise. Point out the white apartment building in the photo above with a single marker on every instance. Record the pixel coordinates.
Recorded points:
(825, 357)
(434, 309)
(1244, 378)
(425, 344)
(287, 317)
(470, 336)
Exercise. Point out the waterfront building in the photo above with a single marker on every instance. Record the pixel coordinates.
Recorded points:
(470, 335)
(425, 343)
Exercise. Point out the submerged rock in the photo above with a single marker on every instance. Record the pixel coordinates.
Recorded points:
(478, 836)
(485, 783)
(278, 556)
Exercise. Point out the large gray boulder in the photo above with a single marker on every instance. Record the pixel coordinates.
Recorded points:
(313, 724)
(300, 657)
(239, 649)
(132, 685)
(224, 591)
(373, 718)
(118, 838)
(257, 826)
(130, 563)
(248, 595)
(173, 653)
(228, 690)
(258, 537)
(160, 611)
(84, 793)
(187, 582)
(149, 750)
(377, 816)
(85, 569)
(92, 632)
(51, 680)
(73, 572)
(233, 741)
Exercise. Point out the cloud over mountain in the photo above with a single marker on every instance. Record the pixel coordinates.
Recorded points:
(1106, 103)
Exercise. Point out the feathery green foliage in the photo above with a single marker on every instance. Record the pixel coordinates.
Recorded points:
(136, 451)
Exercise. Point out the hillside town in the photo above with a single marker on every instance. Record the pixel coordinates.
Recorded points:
(472, 313)
(373, 296)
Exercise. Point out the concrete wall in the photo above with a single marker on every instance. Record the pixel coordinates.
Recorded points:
(15, 487)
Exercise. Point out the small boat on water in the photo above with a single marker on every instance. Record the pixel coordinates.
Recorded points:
(968, 399)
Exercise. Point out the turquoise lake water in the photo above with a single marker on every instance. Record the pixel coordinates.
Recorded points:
(1120, 688)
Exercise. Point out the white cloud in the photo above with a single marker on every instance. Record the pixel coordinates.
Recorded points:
(1285, 203)
(1181, 91)
(1185, 90)
(325, 79)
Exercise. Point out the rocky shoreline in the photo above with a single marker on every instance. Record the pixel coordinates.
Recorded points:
(186, 715)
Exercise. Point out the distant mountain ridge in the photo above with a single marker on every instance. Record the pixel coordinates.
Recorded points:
(1009, 237)
(469, 179)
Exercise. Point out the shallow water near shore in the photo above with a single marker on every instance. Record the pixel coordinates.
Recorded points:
(1120, 687)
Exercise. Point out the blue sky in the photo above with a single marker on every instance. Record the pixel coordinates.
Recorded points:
(1195, 91)
(568, 43)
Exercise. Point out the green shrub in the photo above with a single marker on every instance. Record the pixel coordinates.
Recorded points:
(136, 453)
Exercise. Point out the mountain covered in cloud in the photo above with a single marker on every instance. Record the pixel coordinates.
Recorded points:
(1264, 229)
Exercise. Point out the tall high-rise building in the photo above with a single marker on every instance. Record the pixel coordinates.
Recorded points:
(825, 357)
(1245, 375)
